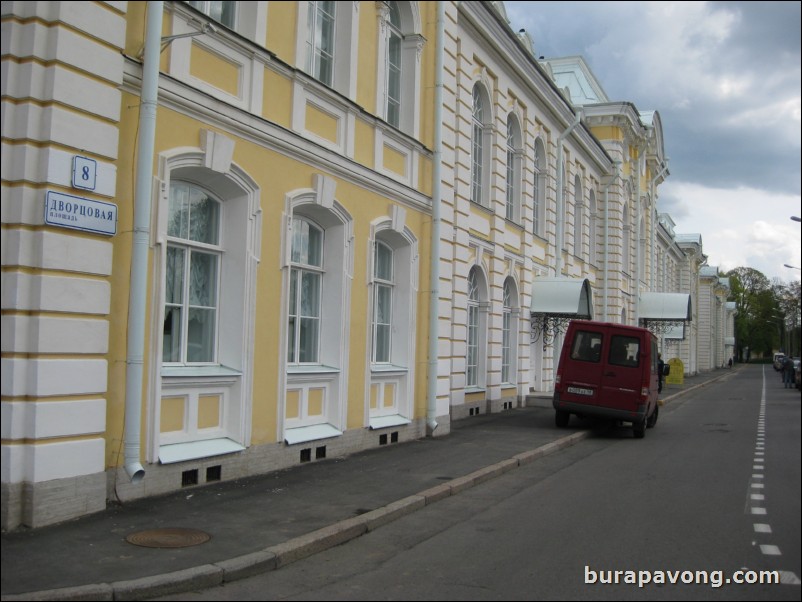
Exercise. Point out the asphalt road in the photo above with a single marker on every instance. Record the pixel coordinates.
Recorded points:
(711, 495)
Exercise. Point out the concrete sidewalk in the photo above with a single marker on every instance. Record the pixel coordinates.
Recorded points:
(262, 523)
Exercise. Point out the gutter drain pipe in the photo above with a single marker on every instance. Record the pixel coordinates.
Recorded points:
(434, 269)
(137, 296)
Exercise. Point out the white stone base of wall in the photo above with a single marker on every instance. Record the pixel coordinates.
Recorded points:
(49, 502)
(257, 460)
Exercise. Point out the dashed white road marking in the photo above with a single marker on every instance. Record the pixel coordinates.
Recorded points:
(762, 528)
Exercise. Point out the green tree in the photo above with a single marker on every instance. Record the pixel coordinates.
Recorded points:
(758, 321)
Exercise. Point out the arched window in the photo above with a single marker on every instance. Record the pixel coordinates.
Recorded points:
(513, 184)
(320, 41)
(382, 303)
(394, 63)
(191, 276)
(306, 277)
(219, 10)
(398, 78)
(317, 263)
(579, 218)
(326, 43)
(206, 227)
(539, 213)
(592, 230)
(477, 326)
(509, 333)
(393, 311)
(480, 148)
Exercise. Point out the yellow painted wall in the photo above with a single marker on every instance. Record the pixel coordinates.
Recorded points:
(363, 148)
(282, 18)
(277, 99)
(367, 56)
(275, 175)
(214, 69)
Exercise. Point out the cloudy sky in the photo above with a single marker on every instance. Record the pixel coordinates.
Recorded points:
(725, 78)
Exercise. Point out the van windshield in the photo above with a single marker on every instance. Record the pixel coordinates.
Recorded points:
(624, 351)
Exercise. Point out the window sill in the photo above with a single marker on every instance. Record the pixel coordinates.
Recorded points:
(383, 422)
(311, 369)
(310, 433)
(180, 452)
(388, 369)
(198, 371)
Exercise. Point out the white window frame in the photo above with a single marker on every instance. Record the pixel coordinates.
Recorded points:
(481, 118)
(579, 217)
(476, 335)
(513, 176)
(298, 270)
(539, 198)
(330, 373)
(231, 375)
(379, 285)
(345, 59)
(209, 8)
(411, 46)
(190, 247)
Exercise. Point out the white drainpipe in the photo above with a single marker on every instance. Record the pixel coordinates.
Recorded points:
(558, 263)
(137, 295)
(434, 268)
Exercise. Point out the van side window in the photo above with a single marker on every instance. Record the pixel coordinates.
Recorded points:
(624, 351)
(587, 346)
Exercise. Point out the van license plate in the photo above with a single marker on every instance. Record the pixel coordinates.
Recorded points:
(580, 391)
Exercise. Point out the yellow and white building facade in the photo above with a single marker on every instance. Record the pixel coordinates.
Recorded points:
(284, 306)
(220, 250)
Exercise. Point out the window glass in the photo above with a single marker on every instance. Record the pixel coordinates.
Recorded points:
(306, 283)
(586, 346)
(394, 66)
(624, 351)
(320, 48)
(477, 147)
(191, 276)
(222, 11)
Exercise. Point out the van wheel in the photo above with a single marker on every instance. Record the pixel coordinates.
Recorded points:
(653, 418)
(561, 418)
(639, 429)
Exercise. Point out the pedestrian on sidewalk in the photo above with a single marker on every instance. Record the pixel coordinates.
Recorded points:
(661, 366)
(788, 373)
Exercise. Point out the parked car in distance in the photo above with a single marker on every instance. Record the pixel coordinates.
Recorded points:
(609, 371)
(779, 358)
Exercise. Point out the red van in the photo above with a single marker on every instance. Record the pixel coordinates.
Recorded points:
(610, 371)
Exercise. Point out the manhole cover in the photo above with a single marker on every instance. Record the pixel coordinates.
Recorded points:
(171, 537)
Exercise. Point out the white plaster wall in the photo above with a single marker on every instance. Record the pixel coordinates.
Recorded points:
(48, 334)
(57, 125)
(53, 251)
(48, 461)
(29, 292)
(50, 377)
(42, 419)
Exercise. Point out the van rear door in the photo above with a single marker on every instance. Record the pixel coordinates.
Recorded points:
(582, 368)
(622, 378)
